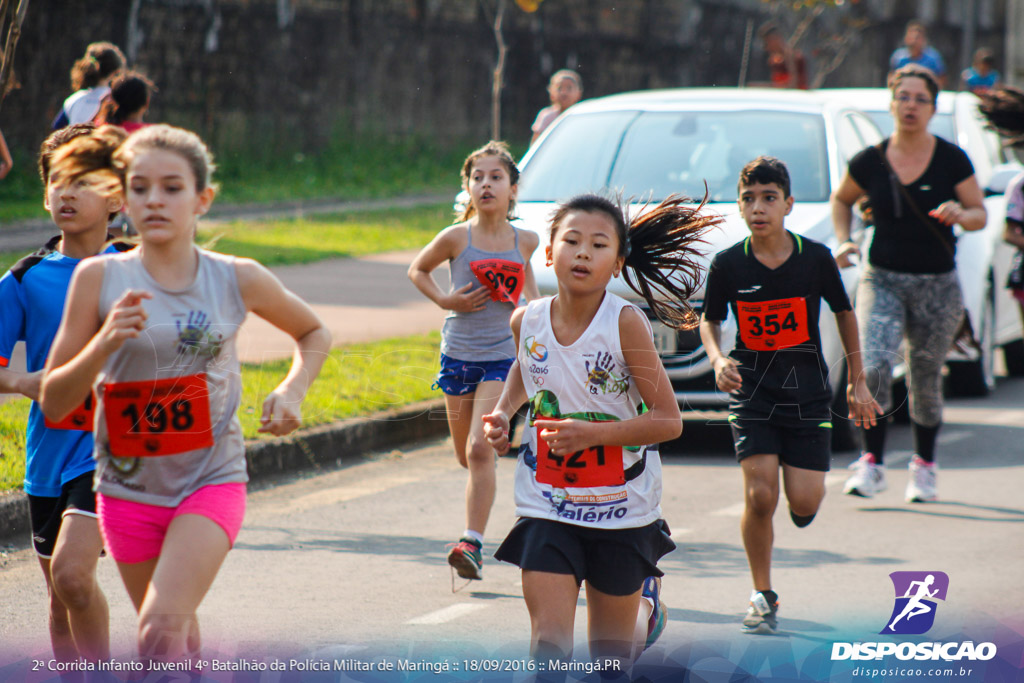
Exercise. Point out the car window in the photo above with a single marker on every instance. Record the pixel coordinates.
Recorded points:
(660, 153)
(848, 138)
(575, 157)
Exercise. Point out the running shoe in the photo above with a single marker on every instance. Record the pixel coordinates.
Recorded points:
(921, 488)
(656, 622)
(868, 477)
(761, 615)
(466, 558)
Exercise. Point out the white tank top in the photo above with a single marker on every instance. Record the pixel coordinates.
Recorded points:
(167, 402)
(609, 488)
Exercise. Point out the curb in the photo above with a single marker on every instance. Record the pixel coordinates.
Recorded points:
(336, 445)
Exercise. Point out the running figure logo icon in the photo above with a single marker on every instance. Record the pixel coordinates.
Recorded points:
(916, 593)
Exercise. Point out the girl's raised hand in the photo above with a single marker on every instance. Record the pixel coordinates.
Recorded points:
(127, 318)
(565, 437)
(463, 300)
(282, 413)
(496, 427)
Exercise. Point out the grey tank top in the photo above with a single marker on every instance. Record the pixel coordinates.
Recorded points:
(485, 335)
(171, 396)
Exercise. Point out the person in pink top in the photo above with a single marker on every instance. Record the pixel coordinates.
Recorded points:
(565, 89)
(128, 101)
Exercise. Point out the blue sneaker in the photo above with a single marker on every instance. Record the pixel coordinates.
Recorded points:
(656, 623)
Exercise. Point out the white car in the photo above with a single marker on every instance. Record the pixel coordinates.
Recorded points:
(648, 145)
(982, 258)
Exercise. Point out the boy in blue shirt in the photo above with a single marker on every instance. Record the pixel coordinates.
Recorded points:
(780, 398)
(59, 461)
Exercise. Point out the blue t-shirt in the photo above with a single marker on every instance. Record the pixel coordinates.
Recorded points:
(33, 294)
(930, 59)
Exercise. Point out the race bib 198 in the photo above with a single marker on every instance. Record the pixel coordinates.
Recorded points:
(595, 466)
(504, 279)
(158, 417)
(773, 325)
(80, 418)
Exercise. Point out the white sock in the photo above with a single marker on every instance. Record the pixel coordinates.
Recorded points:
(475, 535)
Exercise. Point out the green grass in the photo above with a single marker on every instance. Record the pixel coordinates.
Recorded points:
(346, 167)
(303, 240)
(357, 379)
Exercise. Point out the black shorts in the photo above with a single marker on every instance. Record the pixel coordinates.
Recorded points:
(805, 444)
(46, 513)
(614, 561)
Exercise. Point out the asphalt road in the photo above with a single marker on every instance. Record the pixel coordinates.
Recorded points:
(350, 563)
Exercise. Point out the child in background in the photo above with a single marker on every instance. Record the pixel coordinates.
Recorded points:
(152, 332)
(490, 276)
(781, 401)
(127, 102)
(565, 89)
(588, 477)
(90, 79)
(981, 76)
(59, 465)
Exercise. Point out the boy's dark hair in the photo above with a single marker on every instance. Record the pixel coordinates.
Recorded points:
(57, 139)
(100, 60)
(129, 92)
(663, 264)
(765, 170)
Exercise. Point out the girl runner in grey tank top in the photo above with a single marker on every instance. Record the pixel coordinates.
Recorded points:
(476, 344)
(155, 331)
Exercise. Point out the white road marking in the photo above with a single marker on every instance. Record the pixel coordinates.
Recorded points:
(952, 437)
(450, 613)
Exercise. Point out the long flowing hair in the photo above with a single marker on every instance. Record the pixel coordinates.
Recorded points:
(663, 258)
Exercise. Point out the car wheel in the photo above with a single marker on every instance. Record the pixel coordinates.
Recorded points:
(844, 432)
(1013, 355)
(977, 377)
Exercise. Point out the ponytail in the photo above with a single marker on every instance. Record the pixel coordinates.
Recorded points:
(1003, 107)
(662, 261)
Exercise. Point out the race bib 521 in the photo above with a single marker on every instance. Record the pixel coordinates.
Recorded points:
(158, 417)
(504, 279)
(773, 325)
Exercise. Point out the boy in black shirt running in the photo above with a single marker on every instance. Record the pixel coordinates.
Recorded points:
(780, 407)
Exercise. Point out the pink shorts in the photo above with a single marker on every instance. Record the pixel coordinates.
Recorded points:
(134, 532)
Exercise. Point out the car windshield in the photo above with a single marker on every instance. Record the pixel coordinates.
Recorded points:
(941, 124)
(650, 155)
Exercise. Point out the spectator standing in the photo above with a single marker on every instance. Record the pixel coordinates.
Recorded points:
(565, 89)
(787, 66)
(916, 50)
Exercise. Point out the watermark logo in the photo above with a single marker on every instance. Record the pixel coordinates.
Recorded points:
(916, 594)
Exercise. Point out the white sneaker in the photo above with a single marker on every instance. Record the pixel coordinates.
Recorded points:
(868, 477)
(922, 488)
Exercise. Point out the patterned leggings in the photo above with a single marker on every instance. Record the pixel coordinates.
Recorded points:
(927, 309)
